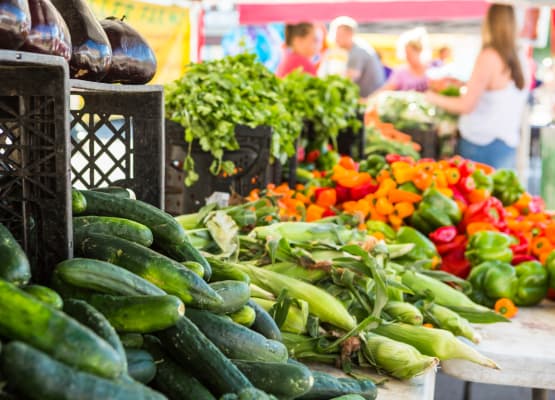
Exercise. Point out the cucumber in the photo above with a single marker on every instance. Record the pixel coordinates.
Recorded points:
(163, 226)
(171, 379)
(234, 293)
(222, 271)
(117, 191)
(22, 317)
(237, 341)
(14, 265)
(264, 323)
(46, 295)
(280, 379)
(192, 349)
(120, 227)
(245, 316)
(131, 340)
(94, 320)
(139, 314)
(349, 397)
(162, 271)
(26, 367)
(185, 251)
(327, 387)
(104, 277)
(195, 267)
(78, 202)
(140, 365)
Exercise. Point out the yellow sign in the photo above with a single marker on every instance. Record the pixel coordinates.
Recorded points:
(165, 28)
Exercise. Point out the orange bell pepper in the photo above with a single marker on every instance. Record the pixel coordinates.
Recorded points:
(314, 212)
(326, 198)
(376, 216)
(478, 195)
(423, 180)
(398, 195)
(385, 187)
(453, 176)
(402, 172)
(543, 257)
(395, 221)
(541, 244)
(383, 206)
(506, 307)
(487, 169)
(512, 212)
(549, 232)
(383, 175)
(523, 201)
(445, 191)
(403, 209)
(474, 227)
(520, 226)
(440, 179)
(348, 163)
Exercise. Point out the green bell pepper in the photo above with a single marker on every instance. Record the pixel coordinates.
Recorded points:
(373, 164)
(482, 180)
(424, 250)
(550, 267)
(381, 227)
(434, 211)
(506, 186)
(491, 281)
(409, 187)
(489, 246)
(533, 281)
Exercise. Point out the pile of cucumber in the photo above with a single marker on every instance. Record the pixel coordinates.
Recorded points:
(139, 315)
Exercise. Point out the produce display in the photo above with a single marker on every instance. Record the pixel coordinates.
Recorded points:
(225, 303)
(109, 51)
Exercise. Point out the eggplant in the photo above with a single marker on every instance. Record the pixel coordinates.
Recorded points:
(91, 53)
(133, 61)
(15, 23)
(49, 32)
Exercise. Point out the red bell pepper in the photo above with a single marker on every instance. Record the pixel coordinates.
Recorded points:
(360, 191)
(329, 213)
(466, 184)
(490, 210)
(467, 168)
(520, 258)
(523, 246)
(458, 242)
(391, 158)
(301, 154)
(455, 263)
(443, 235)
(551, 294)
(536, 205)
(312, 156)
(342, 193)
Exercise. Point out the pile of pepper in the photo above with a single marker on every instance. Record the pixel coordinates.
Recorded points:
(465, 217)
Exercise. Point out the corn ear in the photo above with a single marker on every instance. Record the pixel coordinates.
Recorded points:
(321, 304)
(296, 319)
(434, 342)
(188, 221)
(449, 297)
(307, 232)
(258, 292)
(449, 320)
(292, 270)
(396, 358)
(403, 312)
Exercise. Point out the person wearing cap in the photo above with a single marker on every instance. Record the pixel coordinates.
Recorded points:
(363, 64)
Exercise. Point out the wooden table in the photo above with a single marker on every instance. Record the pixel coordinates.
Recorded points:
(524, 349)
(419, 388)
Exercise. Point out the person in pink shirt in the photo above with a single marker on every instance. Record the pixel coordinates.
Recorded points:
(302, 45)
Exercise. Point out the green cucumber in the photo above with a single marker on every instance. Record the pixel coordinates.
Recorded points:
(78, 202)
(185, 251)
(327, 386)
(264, 323)
(120, 227)
(22, 317)
(349, 397)
(26, 367)
(14, 265)
(234, 293)
(139, 314)
(191, 348)
(140, 365)
(162, 271)
(280, 379)
(46, 295)
(195, 267)
(117, 191)
(245, 316)
(163, 226)
(237, 341)
(222, 271)
(94, 320)
(131, 340)
(104, 277)
(171, 379)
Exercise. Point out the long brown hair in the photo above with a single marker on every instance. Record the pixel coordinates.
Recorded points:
(500, 34)
(297, 30)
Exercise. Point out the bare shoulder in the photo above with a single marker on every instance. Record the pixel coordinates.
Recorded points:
(490, 57)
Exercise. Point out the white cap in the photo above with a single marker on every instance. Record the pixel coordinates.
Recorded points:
(344, 21)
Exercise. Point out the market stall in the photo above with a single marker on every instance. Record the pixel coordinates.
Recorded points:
(289, 269)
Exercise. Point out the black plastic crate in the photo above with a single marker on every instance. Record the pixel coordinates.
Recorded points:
(428, 139)
(35, 195)
(252, 161)
(117, 137)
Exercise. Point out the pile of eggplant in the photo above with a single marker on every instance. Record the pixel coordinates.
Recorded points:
(102, 51)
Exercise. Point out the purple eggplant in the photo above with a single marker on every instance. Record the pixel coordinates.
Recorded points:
(15, 23)
(91, 52)
(49, 32)
(133, 61)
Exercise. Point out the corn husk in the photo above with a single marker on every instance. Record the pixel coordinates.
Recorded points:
(434, 342)
(449, 320)
(296, 319)
(403, 312)
(396, 358)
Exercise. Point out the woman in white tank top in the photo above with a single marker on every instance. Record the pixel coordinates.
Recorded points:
(492, 107)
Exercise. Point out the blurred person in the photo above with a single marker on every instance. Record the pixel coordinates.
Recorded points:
(492, 107)
(443, 57)
(413, 48)
(363, 65)
(301, 41)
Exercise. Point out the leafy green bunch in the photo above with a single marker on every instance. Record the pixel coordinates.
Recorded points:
(331, 104)
(213, 97)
